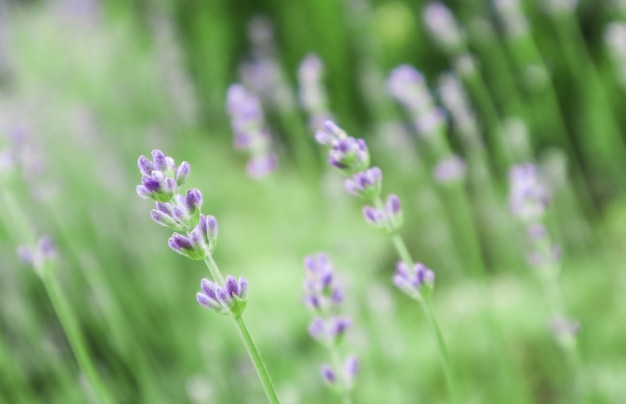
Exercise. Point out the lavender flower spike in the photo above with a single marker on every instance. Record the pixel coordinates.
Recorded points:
(160, 176)
(230, 299)
(528, 198)
(366, 184)
(324, 298)
(417, 282)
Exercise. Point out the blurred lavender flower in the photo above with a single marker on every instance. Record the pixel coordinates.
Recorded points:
(263, 73)
(250, 131)
(39, 257)
(312, 92)
(416, 281)
(566, 330)
(450, 169)
(324, 298)
(408, 87)
(527, 197)
(512, 19)
(230, 299)
(443, 27)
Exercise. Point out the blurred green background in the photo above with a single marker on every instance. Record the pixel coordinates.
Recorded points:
(88, 86)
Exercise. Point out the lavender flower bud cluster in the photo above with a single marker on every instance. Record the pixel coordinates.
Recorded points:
(195, 234)
(230, 299)
(324, 298)
(250, 132)
(351, 156)
(512, 19)
(44, 252)
(408, 87)
(417, 281)
(442, 26)
(312, 93)
(528, 198)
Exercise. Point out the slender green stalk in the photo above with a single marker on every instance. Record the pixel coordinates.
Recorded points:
(59, 302)
(445, 357)
(248, 342)
(405, 256)
(255, 356)
(75, 337)
(345, 393)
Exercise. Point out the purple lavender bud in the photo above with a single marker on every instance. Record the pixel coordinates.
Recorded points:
(328, 375)
(351, 368)
(417, 282)
(231, 286)
(528, 198)
(562, 326)
(46, 247)
(243, 288)
(450, 169)
(166, 220)
(339, 326)
(193, 201)
(192, 248)
(394, 211)
(317, 328)
(150, 184)
(374, 217)
(182, 173)
(211, 226)
(536, 231)
(442, 26)
(160, 161)
(330, 134)
(145, 166)
(26, 255)
(336, 296)
(366, 184)
(262, 165)
(349, 155)
(209, 288)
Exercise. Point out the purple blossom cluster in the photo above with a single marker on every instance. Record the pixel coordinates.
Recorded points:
(528, 198)
(351, 157)
(312, 94)
(250, 131)
(195, 234)
(38, 257)
(324, 298)
(408, 87)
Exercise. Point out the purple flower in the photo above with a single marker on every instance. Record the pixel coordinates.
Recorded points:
(230, 299)
(40, 256)
(528, 198)
(312, 94)
(443, 27)
(366, 184)
(349, 155)
(250, 131)
(416, 281)
(321, 289)
(408, 87)
(160, 176)
(330, 134)
(450, 169)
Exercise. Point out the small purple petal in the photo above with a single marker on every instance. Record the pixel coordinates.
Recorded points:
(327, 374)
(145, 166)
(160, 161)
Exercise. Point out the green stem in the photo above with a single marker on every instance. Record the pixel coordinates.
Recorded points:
(59, 303)
(74, 336)
(405, 256)
(213, 270)
(344, 388)
(445, 358)
(255, 356)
